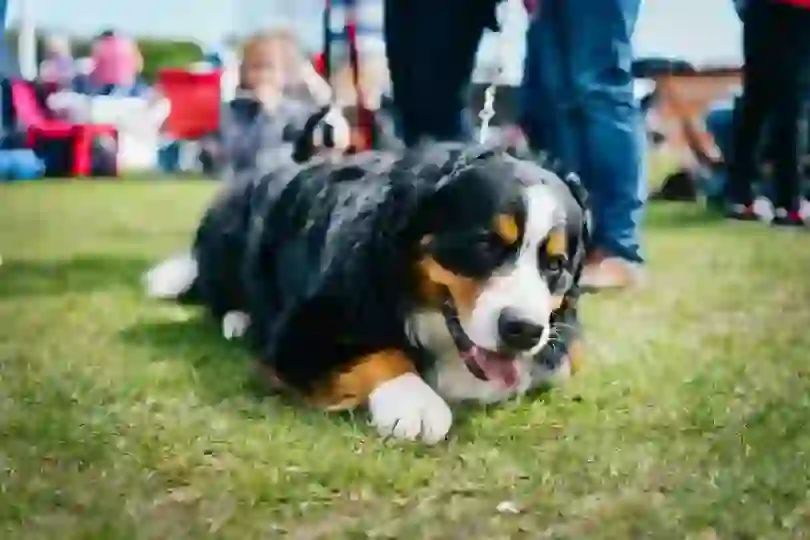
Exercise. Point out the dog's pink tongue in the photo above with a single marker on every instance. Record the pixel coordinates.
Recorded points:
(498, 368)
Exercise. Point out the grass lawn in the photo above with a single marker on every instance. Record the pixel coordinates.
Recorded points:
(122, 418)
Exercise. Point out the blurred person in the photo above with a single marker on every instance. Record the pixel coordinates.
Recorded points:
(431, 48)
(58, 68)
(262, 119)
(299, 79)
(81, 81)
(117, 63)
(578, 103)
(776, 86)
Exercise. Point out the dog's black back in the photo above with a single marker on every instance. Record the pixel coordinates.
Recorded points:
(322, 256)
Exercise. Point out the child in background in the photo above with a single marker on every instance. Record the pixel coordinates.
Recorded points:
(263, 119)
(58, 68)
(117, 64)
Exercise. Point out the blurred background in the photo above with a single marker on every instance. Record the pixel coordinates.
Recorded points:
(688, 63)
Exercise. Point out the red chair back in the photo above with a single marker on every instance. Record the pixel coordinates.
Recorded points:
(27, 108)
(195, 102)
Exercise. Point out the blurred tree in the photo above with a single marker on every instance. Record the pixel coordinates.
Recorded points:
(159, 54)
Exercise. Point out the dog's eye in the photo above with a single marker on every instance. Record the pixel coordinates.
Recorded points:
(553, 268)
(483, 241)
(473, 253)
(551, 263)
(555, 263)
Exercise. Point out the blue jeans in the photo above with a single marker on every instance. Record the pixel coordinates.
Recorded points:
(577, 103)
(720, 125)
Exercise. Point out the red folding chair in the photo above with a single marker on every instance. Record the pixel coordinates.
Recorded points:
(195, 99)
(32, 116)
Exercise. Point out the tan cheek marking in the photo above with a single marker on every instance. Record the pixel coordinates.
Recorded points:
(557, 302)
(557, 243)
(507, 228)
(347, 389)
(463, 290)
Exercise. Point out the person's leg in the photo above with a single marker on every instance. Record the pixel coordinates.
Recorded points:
(431, 47)
(545, 116)
(720, 125)
(584, 60)
(791, 86)
(751, 110)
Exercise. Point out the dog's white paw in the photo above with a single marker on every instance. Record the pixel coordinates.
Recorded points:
(235, 324)
(407, 408)
(171, 278)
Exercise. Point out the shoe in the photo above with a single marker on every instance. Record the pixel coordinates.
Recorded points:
(741, 212)
(793, 218)
(606, 272)
(785, 218)
(763, 208)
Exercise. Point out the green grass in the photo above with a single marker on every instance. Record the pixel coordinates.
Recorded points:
(122, 418)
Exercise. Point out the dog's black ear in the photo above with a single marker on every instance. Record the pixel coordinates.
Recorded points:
(304, 144)
(460, 158)
(569, 178)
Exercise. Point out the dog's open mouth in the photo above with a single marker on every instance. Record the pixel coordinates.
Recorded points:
(484, 364)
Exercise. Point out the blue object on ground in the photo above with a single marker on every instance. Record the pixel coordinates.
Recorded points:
(169, 157)
(20, 164)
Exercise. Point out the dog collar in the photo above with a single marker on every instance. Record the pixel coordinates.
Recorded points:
(551, 357)
(451, 319)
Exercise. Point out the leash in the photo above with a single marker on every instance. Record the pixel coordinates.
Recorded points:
(365, 118)
(451, 320)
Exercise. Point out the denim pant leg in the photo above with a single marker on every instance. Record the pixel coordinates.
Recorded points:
(720, 125)
(579, 104)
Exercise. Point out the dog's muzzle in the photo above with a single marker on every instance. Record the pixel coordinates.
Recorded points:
(484, 364)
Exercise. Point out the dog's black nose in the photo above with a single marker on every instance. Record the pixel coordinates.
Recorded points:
(516, 332)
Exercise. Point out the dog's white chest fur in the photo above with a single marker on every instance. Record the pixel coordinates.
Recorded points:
(450, 377)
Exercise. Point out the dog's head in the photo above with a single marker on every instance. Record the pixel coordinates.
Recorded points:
(502, 243)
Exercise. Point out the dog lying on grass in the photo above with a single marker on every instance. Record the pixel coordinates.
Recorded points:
(400, 281)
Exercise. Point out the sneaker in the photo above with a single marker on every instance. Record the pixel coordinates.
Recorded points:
(785, 218)
(804, 211)
(763, 208)
(606, 272)
(742, 212)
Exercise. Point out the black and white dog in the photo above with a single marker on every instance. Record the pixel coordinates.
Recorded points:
(401, 281)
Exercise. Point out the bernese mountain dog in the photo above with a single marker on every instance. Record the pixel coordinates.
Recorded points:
(400, 281)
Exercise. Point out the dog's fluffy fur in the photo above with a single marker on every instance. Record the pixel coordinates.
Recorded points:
(399, 281)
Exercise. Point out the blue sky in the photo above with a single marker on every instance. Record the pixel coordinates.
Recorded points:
(698, 30)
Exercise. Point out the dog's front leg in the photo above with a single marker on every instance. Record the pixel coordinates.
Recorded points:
(401, 404)
(235, 324)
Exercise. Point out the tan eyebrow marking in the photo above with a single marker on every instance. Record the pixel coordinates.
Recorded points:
(507, 228)
(557, 243)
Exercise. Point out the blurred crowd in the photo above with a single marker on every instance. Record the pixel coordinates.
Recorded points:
(576, 101)
(113, 68)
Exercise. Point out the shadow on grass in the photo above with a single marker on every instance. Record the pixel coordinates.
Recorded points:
(224, 369)
(78, 274)
(220, 366)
